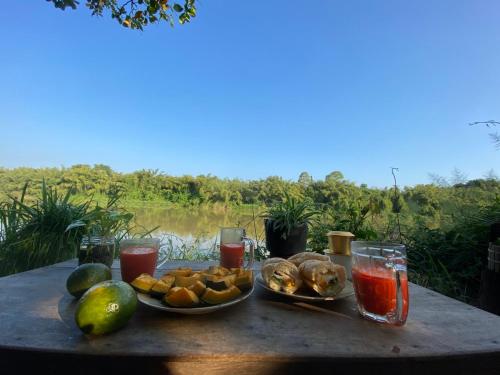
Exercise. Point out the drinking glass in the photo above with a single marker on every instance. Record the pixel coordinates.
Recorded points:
(380, 281)
(232, 248)
(97, 249)
(140, 255)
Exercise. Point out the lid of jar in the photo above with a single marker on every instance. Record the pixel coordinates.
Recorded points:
(340, 233)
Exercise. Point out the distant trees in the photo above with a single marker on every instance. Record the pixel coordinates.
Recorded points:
(334, 176)
(305, 179)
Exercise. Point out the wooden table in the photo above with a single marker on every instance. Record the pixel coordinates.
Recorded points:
(264, 334)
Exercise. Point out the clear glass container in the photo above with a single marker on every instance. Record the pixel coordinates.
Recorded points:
(380, 281)
(97, 249)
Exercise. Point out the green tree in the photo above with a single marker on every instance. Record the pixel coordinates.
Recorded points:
(305, 179)
(334, 176)
(136, 14)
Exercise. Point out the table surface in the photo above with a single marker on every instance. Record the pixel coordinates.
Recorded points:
(37, 314)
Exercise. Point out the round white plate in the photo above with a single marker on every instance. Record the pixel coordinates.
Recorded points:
(157, 304)
(312, 297)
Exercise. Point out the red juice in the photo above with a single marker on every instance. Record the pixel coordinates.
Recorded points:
(231, 255)
(137, 260)
(376, 290)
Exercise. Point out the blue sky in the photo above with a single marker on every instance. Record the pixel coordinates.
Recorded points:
(252, 89)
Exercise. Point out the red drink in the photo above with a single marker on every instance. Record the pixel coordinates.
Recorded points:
(231, 255)
(376, 291)
(137, 260)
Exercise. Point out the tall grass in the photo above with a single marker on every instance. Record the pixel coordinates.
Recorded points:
(450, 259)
(35, 235)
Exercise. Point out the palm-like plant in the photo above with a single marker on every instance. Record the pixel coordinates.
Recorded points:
(289, 215)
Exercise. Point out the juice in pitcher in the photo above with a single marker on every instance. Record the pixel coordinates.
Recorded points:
(376, 291)
(380, 281)
(137, 260)
(139, 255)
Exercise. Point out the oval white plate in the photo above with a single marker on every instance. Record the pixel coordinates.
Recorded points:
(157, 304)
(346, 292)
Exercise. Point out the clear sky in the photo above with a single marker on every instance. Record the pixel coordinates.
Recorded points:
(252, 89)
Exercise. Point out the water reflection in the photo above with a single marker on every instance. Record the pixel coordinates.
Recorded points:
(189, 223)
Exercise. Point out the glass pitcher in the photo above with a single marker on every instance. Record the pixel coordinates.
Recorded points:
(380, 281)
(140, 255)
(232, 248)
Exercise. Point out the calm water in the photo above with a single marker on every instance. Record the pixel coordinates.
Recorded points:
(189, 223)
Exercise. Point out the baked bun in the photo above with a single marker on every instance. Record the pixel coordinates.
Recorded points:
(281, 275)
(299, 258)
(325, 277)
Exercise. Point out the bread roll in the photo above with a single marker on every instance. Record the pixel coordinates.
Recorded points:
(281, 275)
(326, 278)
(299, 258)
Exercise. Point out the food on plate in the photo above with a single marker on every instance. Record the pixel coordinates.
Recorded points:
(186, 280)
(182, 271)
(219, 282)
(105, 307)
(272, 260)
(215, 297)
(86, 276)
(187, 288)
(182, 297)
(174, 289)
(324, 277)
(218, 270)
(198, 287)
(160, 288)
(299, 258)
(281, 275)
(244, 280)
(143, 283)
(169, 279)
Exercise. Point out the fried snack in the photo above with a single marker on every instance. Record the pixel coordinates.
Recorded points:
(299, 258)
(281, 275)
(272, 260)
(324, 277)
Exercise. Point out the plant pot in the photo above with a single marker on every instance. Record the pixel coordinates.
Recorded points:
(281, 247)
(97, 250)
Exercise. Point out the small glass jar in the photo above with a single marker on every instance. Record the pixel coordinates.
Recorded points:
(97, 249)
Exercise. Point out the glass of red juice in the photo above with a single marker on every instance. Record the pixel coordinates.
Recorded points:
(232, 248)
(138, 256)
(380, 281)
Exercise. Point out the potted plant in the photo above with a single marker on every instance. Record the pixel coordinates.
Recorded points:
(103, 227)
(286, 226)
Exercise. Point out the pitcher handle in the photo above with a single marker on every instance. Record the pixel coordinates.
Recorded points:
(162, 261)
(251, 246)
(398, 316)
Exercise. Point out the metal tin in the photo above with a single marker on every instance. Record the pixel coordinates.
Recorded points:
(340, 242)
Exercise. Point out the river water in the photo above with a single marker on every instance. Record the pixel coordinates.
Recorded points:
(194, 231)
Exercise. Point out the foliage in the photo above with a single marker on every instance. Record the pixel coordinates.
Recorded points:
(108, 221)
(450, 259)
(440, 223)
(50, 229)
(136, 14)
(350, 216)
(177, 248)
(289, 214)
(35, 235)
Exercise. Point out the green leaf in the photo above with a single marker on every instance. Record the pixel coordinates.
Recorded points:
(178, 8)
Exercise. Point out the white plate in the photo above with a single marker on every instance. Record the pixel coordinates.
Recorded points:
(301, 296)
(157, 304)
